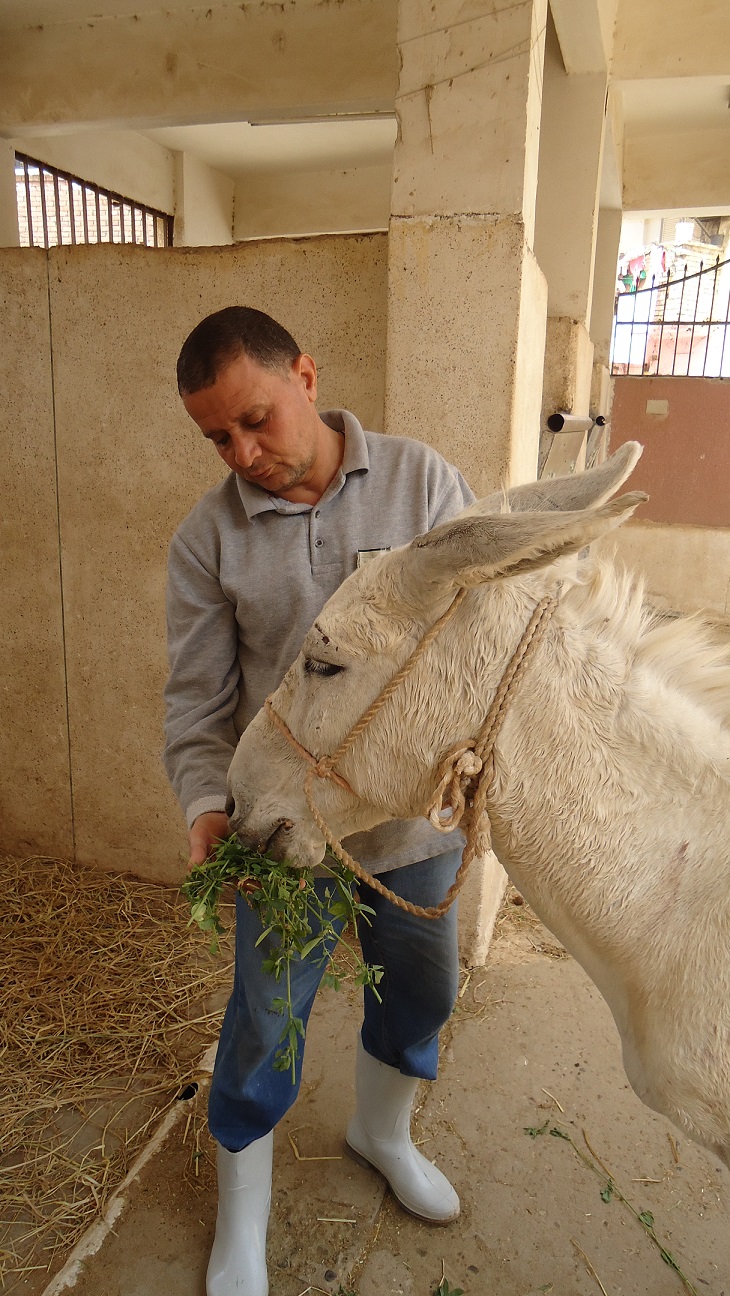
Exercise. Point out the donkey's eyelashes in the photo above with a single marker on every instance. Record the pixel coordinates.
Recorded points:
(321, 668)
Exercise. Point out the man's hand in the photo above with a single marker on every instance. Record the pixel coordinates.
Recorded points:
(205, 832)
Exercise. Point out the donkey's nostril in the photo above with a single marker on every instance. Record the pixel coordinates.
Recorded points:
(230, 807)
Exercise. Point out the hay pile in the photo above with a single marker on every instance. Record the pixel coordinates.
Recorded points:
(107, 1001)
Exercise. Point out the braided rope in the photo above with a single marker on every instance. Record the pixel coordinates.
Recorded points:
(478, 837)
(399, 676)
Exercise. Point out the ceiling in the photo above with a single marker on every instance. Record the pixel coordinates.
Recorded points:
(672, 105)
(238, 147)
(652, 106)
(47, 13)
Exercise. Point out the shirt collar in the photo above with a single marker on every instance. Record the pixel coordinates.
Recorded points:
(356, 457)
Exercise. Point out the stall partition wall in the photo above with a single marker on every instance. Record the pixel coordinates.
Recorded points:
(99, 465)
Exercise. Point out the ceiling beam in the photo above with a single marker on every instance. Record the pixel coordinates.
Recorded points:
(585, 33)
(227, 63)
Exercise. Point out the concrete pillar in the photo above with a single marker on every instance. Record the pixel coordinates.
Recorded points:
(571, 148)
(602, 306)
(467, 300)
(9, 236)
(203, 204)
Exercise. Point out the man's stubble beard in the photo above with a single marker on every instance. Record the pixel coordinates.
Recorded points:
(295, 474)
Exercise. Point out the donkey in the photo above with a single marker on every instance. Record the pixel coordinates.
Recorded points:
(610, 787)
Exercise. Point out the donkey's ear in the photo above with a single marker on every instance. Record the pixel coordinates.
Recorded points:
(472, 550)
(565, 494)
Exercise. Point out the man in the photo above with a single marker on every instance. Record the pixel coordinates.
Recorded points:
(308, 498)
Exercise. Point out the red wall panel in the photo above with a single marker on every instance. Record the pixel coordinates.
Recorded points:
(685, 467)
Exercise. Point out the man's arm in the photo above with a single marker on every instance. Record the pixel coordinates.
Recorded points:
(200, 696)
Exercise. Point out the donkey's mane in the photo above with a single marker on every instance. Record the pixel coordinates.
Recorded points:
(689, 653)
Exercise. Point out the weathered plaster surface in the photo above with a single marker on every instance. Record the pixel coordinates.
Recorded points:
(684, 39)
(466, 320)
(468, 106)
(203, 204)
(689, 567)
(568, 367)
(226, 62)
(571, 150)
(35, 798)
(291, 203)
(8, 204)
(665, 172)
(604, 281)
(131, 465)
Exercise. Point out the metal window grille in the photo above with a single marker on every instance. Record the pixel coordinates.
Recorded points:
(57, 208)
(678, 327)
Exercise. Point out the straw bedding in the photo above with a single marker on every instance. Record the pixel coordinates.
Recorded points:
(107, 1000)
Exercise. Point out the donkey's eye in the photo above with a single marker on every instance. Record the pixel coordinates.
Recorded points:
(323, 669)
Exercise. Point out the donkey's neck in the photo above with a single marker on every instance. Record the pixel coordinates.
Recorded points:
(601, 811)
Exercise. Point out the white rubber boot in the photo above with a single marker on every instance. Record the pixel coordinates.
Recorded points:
(380, 1135)
(237, 1265)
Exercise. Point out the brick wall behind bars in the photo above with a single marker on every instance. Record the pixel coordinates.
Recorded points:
(99, 464)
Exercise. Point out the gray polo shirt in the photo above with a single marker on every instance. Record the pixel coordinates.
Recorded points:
(248, 574)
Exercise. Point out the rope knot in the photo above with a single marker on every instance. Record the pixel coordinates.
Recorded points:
(323, 767)
(458, 768)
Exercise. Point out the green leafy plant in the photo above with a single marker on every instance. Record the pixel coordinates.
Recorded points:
(444, 1289)
(296, 922)
(610, 1190)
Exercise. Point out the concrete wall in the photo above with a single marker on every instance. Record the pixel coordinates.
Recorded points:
(671, 171)
(35, 796)
(684, 427)
(9, 236)
(685, 567)
(203, 204)
(99, 465)
(282, 203)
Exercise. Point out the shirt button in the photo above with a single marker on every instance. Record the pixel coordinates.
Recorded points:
(318, 544)
(316, 512)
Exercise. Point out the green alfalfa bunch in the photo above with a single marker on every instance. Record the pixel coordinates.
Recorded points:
(295, 922)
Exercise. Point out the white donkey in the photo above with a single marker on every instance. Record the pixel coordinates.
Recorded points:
(611, 783)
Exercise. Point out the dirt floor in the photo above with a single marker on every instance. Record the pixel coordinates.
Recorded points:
(532, 1119)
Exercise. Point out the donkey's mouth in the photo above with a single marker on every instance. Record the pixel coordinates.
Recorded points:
(275, 843)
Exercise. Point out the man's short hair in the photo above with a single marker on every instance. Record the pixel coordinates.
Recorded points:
(223, 337)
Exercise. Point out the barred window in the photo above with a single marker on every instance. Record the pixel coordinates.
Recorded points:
(55, 207)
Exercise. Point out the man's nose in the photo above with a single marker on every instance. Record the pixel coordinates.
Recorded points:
(245, 449)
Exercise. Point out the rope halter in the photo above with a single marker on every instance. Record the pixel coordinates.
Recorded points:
(465, 774)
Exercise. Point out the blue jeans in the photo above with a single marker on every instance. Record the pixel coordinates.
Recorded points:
(421, 961)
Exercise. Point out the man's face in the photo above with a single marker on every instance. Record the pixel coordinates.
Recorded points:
(262, 423)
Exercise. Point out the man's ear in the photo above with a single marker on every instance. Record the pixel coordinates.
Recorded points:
(566, 494)
(305, 369)
(471, 550)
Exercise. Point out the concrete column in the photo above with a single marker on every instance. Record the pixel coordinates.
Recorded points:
(571, 149)
(467, 301)
(8, 202)
(203, 204)
(602, 306)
